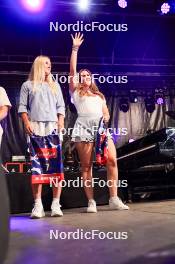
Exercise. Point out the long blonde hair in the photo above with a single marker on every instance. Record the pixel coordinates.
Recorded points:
(37, 74)
(93, 87)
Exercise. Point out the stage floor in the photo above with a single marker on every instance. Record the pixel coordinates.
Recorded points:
(147, 229)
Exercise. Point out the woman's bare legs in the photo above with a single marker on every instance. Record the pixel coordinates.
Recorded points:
(112, 169)
(36, 189)
(112, 173)
(85, 151)
(56, 192)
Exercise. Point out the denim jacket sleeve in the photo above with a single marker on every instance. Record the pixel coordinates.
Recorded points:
(60, 105)
(23, 100)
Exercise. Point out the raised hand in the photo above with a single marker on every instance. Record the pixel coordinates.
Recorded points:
(77, 39)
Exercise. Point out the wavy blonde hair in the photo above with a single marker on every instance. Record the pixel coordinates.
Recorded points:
(93, 87)
(37, 74)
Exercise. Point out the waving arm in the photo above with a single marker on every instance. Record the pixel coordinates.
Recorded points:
(77, 41)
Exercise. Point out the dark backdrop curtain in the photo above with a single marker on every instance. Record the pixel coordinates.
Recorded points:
(137, 120)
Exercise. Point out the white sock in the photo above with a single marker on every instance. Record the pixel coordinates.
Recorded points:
(38, 201)
(113, 198)
(91, 200)
(56, 200)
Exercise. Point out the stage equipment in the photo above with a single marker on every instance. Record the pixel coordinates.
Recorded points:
(149, 104)
(158, 147)
(124, 105)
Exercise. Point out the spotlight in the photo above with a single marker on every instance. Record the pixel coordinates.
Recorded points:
(159, 101)
(133, 96)
(149, 104)
(83, 4)
(159, 96)
(122, 3)
(33, 5)
(165, 8)
(124, 105)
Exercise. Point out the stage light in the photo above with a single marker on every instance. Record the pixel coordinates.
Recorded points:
(133, 96)
(83, 4)
(122, 3)
(149, 104)
(159, 101)
(159, 96)
(33, 5)
(124, 105)
(165, 8)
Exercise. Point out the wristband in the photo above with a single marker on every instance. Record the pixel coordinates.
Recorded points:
(75, 48)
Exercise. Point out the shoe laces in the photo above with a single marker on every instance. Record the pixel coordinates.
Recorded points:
(37, 208)
(91, 203)
(56, 204)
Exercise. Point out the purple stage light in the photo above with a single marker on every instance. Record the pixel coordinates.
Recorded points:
(122, 3)
(33, 5)
(165, 8)
(160, 100)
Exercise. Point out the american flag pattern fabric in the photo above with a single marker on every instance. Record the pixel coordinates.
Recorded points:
(101, 144)
(46, 158)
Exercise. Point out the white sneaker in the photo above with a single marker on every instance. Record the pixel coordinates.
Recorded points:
(56, 211)
(37, 212)
(91, 206)
(115, 203)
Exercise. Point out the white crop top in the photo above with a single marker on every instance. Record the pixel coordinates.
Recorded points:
(88, 105)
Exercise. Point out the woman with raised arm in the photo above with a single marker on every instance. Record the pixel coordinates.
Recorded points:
(42, 110)
(91, 107)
